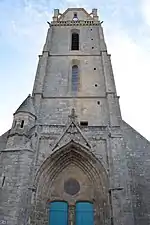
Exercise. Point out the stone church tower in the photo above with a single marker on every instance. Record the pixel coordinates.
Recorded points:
(69, 158)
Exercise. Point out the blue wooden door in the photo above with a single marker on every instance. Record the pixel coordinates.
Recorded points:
(58, 213)
(84, 213)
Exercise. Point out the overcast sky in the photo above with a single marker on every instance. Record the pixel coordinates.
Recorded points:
(126, 26)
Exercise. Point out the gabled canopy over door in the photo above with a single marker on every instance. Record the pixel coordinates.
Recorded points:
(58, 213)
(84, 213)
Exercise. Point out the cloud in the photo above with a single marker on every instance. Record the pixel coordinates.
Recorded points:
(145, 8)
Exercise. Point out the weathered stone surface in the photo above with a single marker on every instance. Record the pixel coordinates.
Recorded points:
(3, 140)
(109, 160)
(138, 161)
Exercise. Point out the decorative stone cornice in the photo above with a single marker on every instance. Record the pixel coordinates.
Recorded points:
(18, 133)
(75, 23)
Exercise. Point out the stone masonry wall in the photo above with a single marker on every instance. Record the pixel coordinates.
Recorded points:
(15, 194)
(138, 158)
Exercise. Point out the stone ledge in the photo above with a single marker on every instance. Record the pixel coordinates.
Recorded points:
(17, 150)
(75, 23)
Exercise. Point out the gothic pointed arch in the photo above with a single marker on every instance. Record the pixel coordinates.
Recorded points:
(72, 163)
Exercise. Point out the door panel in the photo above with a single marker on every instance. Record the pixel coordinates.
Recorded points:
(84, 213)
(58, 213)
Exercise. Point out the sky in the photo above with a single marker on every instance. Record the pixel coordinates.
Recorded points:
(23, 28)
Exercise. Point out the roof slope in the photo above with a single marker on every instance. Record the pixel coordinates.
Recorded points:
(26, 106)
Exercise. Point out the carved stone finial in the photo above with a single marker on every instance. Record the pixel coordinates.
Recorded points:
(73, 115)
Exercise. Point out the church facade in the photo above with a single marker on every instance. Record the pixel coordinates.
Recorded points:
(69, 158)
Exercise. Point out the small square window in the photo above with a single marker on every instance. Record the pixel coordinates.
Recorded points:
(84, 123)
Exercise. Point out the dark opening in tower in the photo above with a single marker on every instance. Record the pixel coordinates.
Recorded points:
(75, 41)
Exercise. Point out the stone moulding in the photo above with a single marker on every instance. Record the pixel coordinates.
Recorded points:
(75, 23)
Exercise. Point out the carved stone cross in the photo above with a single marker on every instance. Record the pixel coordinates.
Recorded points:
(73, 115)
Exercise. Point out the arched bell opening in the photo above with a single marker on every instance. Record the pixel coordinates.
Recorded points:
(72, 174)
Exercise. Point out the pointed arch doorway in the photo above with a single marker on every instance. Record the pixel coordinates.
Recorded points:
(74, 175)
(59, 213)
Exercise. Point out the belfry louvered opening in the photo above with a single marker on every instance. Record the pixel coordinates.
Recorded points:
(75, 41)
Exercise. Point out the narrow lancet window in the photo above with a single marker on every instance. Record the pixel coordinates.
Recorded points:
(75, 77)
(75, 41)
(22, 124)
(2, 180)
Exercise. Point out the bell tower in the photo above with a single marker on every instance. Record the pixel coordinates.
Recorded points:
(69, 158)
(75, 71)
(75, 75)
